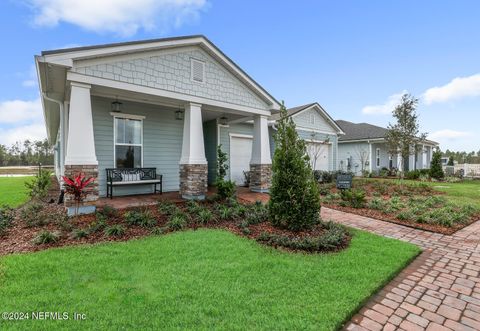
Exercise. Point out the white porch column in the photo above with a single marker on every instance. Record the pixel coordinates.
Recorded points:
(261, 162)
(370, 158)
(399, 162)
(81, 143)
(80, 155)
(193, 163)
(424, 157)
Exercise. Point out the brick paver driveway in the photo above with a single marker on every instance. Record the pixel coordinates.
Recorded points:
(440, 290)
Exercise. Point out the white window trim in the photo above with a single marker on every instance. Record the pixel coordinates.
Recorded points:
(377, 157)
(239, 135)
(130, 117)
(192, 61)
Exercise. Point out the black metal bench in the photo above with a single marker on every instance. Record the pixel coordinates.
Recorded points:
(132, 176)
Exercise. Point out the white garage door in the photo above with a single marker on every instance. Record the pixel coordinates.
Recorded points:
(240, 155)
(319, 155)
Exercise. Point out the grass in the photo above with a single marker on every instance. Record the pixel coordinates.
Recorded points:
(466, 192)
(12, 191)
(198, 280)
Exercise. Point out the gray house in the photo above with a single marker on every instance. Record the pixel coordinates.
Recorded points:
(165, 104)
(363, 148)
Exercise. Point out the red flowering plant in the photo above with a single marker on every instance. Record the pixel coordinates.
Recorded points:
(76, 187)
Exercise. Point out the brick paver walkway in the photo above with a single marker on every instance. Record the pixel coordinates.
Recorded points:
(440, 290)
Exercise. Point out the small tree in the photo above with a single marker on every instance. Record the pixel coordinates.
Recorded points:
(450, 161)
(294, 196)
(364, 156)
(436, 170)
(225, 188)
(316, 149)
(404, 136)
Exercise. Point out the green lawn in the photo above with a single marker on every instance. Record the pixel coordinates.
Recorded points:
(205, 279)
(12, 191)
(466, 192)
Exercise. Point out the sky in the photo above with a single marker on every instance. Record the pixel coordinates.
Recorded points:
(356, 58)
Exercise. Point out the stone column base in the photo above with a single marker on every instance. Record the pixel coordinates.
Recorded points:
(260, 177)
(193, 181)
(88, 205)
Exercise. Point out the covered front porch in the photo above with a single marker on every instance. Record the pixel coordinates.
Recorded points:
(243, 194)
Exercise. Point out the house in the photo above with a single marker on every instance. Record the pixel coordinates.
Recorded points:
(363, 148)
(165, 104)
(313, 124)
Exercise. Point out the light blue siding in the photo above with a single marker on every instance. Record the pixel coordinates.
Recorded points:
(210, 140)
(303, 119)
(162, 143)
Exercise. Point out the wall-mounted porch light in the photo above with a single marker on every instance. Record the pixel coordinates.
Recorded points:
(179, 115)
(116, 106)
(223, 120)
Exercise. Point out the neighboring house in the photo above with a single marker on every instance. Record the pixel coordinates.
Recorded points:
(165, 104)
(313, 124)
(363, 148)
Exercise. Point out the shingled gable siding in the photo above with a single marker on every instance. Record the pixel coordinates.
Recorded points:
(162, 143)
(171, 70)
(302, 119)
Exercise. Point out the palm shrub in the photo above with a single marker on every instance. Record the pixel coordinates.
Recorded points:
(294, 197)
(436, 170)
(39, 185)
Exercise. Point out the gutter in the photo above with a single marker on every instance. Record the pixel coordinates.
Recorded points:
(62, 131)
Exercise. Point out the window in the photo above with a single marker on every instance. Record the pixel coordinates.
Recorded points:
(312, 118)
(128, 142)
(377, 155)
(197, 71)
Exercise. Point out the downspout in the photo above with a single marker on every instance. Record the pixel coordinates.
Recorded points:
(62, 135)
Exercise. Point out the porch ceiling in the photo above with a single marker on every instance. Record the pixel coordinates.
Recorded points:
(208, 112)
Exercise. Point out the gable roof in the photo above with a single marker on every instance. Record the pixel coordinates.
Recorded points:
(365, 131)
(66, 56)
(299, 109)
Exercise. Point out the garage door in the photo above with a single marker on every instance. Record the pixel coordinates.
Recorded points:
(240, 155)
(319, 155)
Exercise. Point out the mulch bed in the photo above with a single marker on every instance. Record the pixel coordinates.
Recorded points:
(371, 213)
(20, 239)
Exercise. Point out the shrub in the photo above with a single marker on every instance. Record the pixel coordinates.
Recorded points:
(141, 217)
(256, 213)
(356, 198)
(436, 170)
(99, 224)
(377, 204)
(108, 211)
(177, 222)
(32, 214)
(413, 174)
(167, 207)
(322, 176)
(225, 212)
(7, 216)
(225, 188)
(159, 230)
(39, 185)
(79, 233)
(46, 237)
(76, 187)
(204, 216)
(116, 230)
(294, 198)
(334, 237)
(193, 207)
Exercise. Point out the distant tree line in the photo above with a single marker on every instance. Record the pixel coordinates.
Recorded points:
(26, 153)
(463, 157)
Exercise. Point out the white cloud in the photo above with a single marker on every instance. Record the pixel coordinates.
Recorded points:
(386, 108)
(35, 131)
(457, 88)
(122, 17)
(20, 111)
(447, 134)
